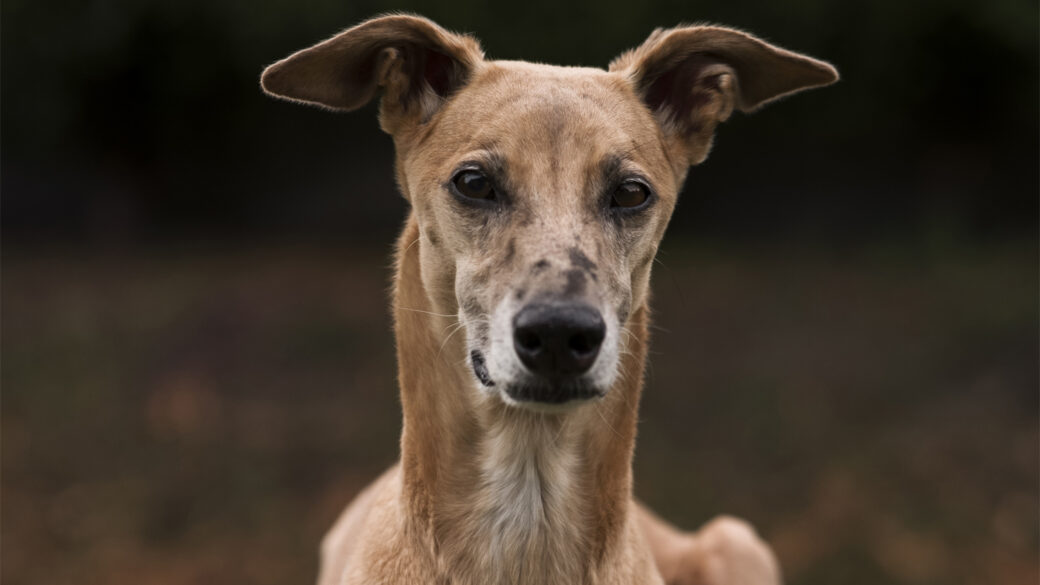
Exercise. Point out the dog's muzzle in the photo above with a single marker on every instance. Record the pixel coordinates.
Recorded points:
(557, 343)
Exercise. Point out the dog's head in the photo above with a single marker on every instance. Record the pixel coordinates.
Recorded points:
(542, 192)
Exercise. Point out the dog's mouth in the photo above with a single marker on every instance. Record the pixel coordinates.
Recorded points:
(533, 391)
(547, 355)
(551, 394)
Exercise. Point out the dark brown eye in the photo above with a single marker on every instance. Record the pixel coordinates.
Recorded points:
(474, 184)
(630, 194)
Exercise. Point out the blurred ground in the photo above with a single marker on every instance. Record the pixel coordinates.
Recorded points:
(200, 414)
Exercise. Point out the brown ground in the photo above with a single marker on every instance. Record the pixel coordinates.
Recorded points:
(200, 416)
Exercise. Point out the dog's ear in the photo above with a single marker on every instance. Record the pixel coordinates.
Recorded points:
(693, 77)
(416, 63)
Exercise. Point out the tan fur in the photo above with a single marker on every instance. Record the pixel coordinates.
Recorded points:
(489, 490)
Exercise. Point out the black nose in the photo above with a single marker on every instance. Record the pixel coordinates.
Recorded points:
(558, 341)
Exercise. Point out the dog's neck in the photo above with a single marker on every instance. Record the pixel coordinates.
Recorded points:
(499, 494)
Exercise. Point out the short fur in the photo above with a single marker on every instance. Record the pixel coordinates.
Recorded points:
(492, 490)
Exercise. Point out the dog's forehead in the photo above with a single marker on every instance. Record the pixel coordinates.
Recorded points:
(520, 105)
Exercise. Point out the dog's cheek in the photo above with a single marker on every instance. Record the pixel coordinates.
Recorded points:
(438, 276)
(639, 285)
(472, 287)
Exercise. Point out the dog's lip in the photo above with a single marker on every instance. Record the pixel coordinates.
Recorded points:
(546, 408)
(550, 394)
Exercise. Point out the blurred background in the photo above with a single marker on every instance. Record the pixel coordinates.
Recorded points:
(198, 371)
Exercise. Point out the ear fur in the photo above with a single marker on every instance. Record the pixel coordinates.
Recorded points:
(417, 63)
(693, 77)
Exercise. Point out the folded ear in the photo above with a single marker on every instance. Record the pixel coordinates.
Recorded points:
(693, 77)
(417, 64)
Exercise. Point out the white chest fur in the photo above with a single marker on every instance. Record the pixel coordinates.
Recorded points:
(530, 511)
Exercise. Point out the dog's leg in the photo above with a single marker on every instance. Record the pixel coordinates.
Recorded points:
(725, 551)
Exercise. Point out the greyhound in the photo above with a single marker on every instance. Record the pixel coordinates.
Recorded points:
(538, 197)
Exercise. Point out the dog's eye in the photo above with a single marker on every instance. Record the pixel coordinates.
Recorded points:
(474, 184)
(630, 194)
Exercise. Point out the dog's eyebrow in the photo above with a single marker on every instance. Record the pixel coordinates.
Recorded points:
(612, 169)
(489, 158)
(496, 163)
(615, 168)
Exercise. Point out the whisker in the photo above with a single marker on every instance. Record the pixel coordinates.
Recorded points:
(414, 242)
(458, 325)
(599, 411)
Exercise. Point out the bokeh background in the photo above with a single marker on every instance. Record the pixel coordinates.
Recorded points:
(197, 366)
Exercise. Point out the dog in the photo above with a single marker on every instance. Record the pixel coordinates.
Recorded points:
(538, 197)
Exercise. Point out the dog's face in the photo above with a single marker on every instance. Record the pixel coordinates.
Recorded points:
(541, 196)
(541, 192)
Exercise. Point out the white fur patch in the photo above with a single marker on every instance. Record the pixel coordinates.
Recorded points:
(529, 515)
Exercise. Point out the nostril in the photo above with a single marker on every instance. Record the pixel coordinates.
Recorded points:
(528, 340)
(580, 344)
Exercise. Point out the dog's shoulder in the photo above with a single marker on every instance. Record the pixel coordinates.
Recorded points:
(363, 530)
